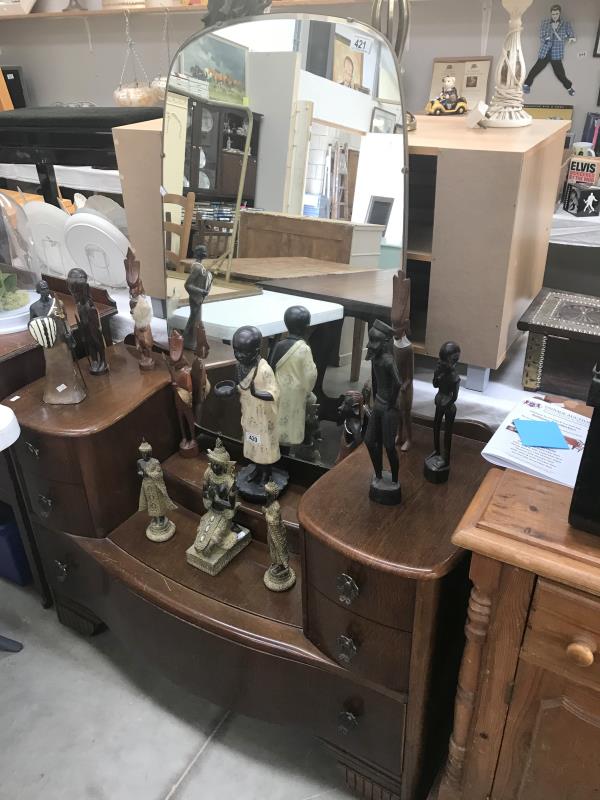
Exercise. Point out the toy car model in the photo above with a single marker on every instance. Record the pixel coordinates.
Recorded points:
(438, 107)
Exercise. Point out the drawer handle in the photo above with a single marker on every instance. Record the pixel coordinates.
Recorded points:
(347, 589)
(62, 570)
(32, 450)
(347, 722)
(348, 649)
(45, 505)
(582, 652)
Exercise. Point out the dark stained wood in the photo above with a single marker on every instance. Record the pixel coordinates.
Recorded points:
(239, 585)
(60, 505)
(50, 457)
(411, 540)
(364, 294)
(383, 653)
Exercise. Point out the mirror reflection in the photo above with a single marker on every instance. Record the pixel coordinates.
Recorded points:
(284, 156)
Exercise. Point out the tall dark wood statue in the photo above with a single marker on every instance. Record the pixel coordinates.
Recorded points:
(383, 423)
(141, 311)
(447, 381)
(197, 286)
(404, 356)
(259, 397)
(585, 504)
(88, 321)
(183, 392)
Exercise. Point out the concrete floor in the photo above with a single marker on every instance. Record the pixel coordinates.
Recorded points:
(81, 720)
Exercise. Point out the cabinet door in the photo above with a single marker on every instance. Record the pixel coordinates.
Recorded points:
(552, 740)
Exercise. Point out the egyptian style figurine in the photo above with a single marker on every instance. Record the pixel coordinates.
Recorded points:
(259, 398)
(296, 373)
(218, 538)
(585, 504)
(183, 391)
(404, 356)
(49, 327)
(153, 496)
(141, 311)
(88, 321)
(355, 420)
(383, 422)
(279, 576)
(197, 286)
(446, 380)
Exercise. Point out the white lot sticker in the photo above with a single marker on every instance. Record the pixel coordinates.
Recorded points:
(253, 438)
(61, 388)
(16, 397)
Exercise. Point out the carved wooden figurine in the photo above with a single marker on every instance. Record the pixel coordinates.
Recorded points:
(183, 391)
(88, 321)
(218, 538)
(309, 449)
(50, 329)
(404, 356)
(383, 422)
(141, 311)
(153, 496)
(446, 380)
(259, 399)
(200, 382)
(280, 576)
(296, 373)
(585, 505)
(355, 420)
(197, 286)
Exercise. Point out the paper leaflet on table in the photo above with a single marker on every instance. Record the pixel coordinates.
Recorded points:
(559, 466)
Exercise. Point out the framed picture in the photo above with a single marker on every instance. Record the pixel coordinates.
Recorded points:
(597, 45)
(379, 211)
(348, 64)
(472, 76)
(382, 121)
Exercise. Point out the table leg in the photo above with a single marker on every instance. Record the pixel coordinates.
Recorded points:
(358, 338)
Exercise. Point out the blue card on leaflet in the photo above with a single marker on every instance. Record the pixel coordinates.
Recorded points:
(540, 433)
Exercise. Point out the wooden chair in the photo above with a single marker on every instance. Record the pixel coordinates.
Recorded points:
(181, 230)
(215, 235)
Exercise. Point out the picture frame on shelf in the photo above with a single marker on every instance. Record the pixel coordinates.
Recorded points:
(382, 121)
(472, 75)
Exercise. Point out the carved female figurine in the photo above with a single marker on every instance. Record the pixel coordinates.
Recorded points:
(183, 391)
(354, 420)
(446, 380)
(404, 356)
(280, 576)
(259, 399)
(88, 321)
(296, 374)
(197, 286)
(218, 538)
(153, 496)
(50, 329)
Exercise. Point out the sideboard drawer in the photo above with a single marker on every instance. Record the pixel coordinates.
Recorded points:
(70, 572)
(61, 506)
(48, 456)
(366, 591)
(564, 632)
(377, 652)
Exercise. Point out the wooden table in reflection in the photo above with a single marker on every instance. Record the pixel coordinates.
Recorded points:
(284, 267)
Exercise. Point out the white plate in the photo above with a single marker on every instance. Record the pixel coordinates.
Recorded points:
(47, 225)
(98, 247)
(17, 319)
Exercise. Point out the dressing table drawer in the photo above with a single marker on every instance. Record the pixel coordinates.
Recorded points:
(61, 506)
(49, 456)
(370, 593)
(366, 648)
(70, 573)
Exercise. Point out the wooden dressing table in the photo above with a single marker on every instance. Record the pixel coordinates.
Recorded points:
(363, 651)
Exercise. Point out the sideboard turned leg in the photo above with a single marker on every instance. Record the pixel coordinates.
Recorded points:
(476, 628)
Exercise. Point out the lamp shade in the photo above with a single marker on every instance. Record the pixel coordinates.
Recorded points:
(9, 428)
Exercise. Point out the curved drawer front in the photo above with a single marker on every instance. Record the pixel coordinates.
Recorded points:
(61, 506)
(70, 572)
(370, 593)
(364, 647)
(48, 456)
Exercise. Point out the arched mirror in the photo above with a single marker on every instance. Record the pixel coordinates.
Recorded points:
(285, 160)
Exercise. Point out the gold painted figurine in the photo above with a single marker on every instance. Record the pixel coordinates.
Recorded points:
(153, 496)
(218, 538)
(280, 576)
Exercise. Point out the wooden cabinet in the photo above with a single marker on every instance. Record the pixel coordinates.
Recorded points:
(527, 713)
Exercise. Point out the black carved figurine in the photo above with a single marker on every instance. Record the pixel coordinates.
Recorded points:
(446, 380)
(585, 504)
(88, 321)
(383, 423)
